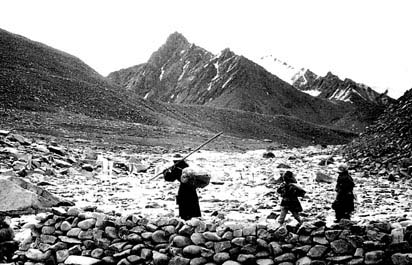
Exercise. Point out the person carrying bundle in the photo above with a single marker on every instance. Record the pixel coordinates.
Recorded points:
(186, 198)
(290, 192)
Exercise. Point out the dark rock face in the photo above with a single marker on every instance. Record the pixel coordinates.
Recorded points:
(386, 145)
(180, 72)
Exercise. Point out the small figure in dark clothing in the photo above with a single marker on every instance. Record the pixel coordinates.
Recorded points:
(186, 198)
(343, 204)
(7, 243)
(290, 192)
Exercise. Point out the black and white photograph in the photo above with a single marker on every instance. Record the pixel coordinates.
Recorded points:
(178, 132)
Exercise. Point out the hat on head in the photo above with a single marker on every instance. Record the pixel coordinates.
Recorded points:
(342, 167)
(180, 163)
(288, 177)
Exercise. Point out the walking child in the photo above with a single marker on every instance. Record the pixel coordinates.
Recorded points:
(290, 191)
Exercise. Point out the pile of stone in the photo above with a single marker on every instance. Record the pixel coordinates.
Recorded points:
(30, 168)
(386, 148)
(21, 156)
(72, 236)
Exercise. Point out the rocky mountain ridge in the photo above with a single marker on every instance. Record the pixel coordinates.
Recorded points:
(332, 87)
(46, 90)
(183, 73)
(329, 86)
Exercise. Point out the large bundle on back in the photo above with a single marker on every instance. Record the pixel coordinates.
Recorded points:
(297, 190)
(197, 177)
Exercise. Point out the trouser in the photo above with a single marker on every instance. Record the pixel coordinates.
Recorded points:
(283, 213)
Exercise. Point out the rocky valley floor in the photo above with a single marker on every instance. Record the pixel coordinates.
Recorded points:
(242, 189)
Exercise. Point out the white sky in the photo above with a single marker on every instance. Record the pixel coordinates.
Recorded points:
(369, 41)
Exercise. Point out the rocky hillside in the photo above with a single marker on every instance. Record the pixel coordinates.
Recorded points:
(386, 145)
(34, 76)
(36, 80)
(180, 72)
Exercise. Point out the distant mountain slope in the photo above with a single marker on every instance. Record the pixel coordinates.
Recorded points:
(284, 129)
(36, 80)
(180, 72)
(387, 144)
(34, 76)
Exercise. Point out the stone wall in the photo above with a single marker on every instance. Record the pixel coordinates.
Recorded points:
(72, 236)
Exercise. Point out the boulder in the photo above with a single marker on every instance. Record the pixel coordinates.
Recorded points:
(322, 177)
(37, 255)
(268, 155)
(20, 197)
(80, 260)
(401, 258)
(159, 258)
(374, 257)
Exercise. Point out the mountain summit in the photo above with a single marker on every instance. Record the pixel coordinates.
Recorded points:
(183, 73)
(49, 91)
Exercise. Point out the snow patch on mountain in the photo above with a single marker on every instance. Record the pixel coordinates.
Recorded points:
(162, 72)
(184, 70)
(217, 71)
(313, 92)
(342, 95)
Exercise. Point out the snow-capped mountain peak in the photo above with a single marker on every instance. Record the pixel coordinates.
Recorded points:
(329, 87)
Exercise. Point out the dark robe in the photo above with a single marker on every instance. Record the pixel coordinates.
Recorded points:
(343, 204)
(186, 198)
(290, 193)
(7, 245)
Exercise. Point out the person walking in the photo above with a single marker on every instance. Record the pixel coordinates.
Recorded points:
(344, 202)
(290, 191)
(186, 198)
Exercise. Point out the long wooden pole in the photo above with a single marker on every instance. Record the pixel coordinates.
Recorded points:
(191, 153)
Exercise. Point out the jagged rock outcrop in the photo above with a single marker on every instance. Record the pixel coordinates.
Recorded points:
(386, 145)
(180, 72)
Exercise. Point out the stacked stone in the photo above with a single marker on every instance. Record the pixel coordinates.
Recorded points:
(75, 237)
